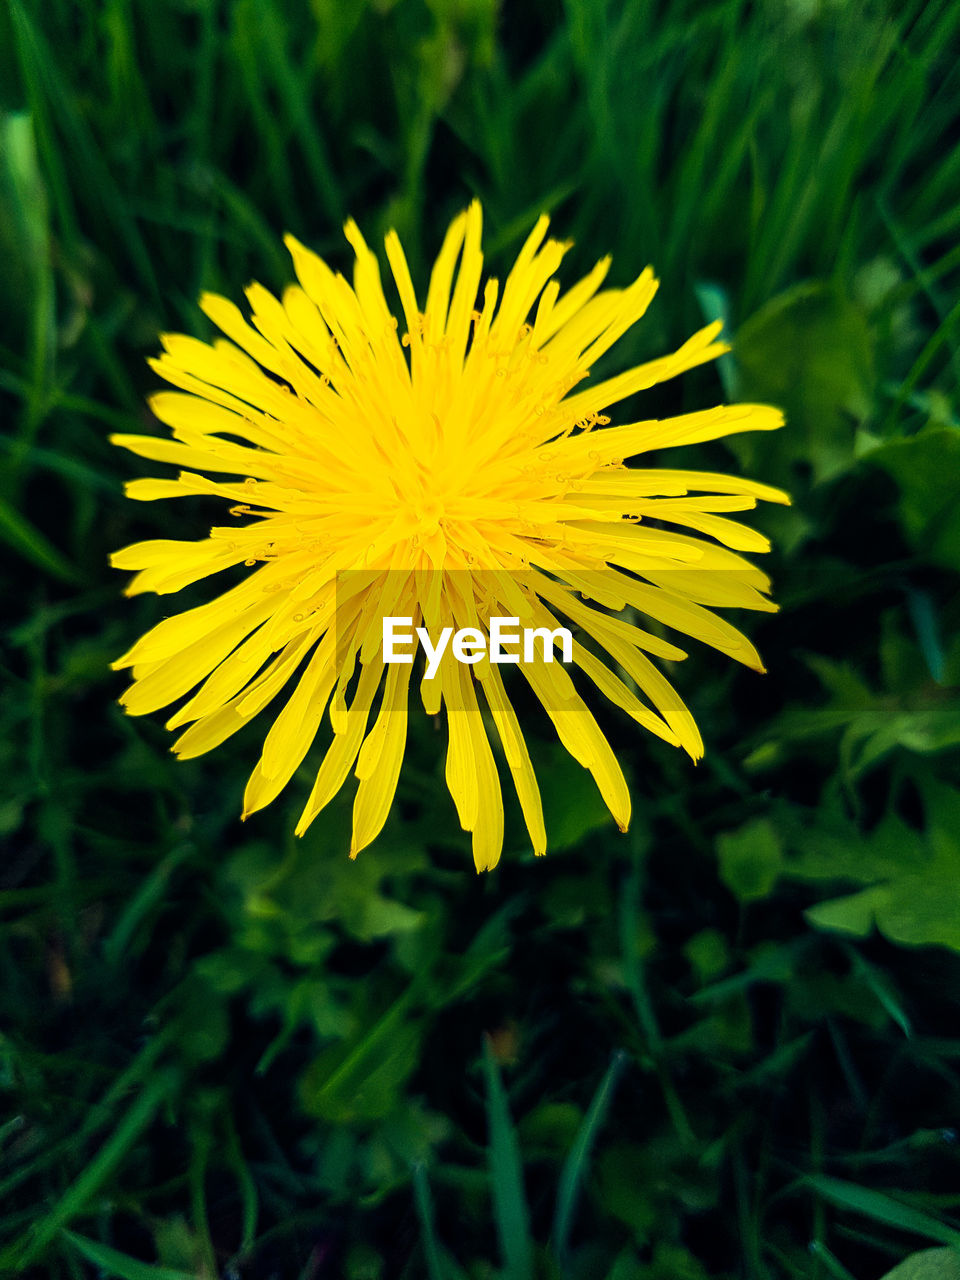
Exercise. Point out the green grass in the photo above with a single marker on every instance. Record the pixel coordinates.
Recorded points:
(721, 1048)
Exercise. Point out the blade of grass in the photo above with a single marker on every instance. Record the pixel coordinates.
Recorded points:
(749, 1222)
(57, 399)
(22, 191)
(19, 534)
(439, 1265)
(357, 1059)
(293, 90)
(940, 337)
(200, 1144)
(254, 229)
(246, 41)
(923, 615)
(249, 1198)
(633, 973)
(506, 1176)
(574, 1167)
(879, 983)
(78, 1195)
(40, 70)
(149, 893)
(832, 1265)
(881, 1208)
(96, 1116)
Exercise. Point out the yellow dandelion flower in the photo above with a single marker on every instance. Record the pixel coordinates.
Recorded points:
(447, 470)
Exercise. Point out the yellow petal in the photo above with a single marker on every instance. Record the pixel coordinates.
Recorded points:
(473, 781)
(215, 727)
(553, 315)
(441, 278)
(517, 757)
(468, 281)
(226, 315)
(378, 765)
(580, 735)
(343, 750)
(292, 732)
(660, 480)
(173, 677)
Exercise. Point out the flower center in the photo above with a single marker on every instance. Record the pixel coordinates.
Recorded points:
(429, 513)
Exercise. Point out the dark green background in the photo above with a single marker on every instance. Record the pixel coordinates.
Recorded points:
(725, 1045)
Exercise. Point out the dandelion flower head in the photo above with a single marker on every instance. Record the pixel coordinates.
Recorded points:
(450, 464)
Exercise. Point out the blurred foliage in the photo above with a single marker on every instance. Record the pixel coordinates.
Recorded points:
(723, 1046)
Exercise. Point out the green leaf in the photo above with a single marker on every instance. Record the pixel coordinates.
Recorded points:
(910, 876)
(363, 1080)
(203, 1026)
(809, 351)
(113, 1263)
(909, 713)
(295, 900)
(708, 954)
(750, 859)
(854, 914)
(629, 1187)
(926, 468)
(572, 806)
(929, 1264)
(384, 916)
